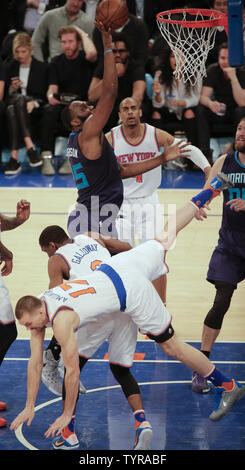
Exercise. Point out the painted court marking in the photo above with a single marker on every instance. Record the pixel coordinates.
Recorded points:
(29, 446)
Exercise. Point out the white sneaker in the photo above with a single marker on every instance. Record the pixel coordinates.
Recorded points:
(82, 389)
(143, 436)
(65, 169)
(50, 373)
(47, 166)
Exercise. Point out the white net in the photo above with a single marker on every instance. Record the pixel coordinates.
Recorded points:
(190, 45)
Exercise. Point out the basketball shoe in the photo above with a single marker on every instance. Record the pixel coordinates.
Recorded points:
(3, 406)
(50, 373)
(143, 436)
(199, 384)
(3, 422)
(225, 399)
(68, 439)
(82, 389)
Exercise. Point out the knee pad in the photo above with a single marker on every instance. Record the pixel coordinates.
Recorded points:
(124, 377)
(222, 300)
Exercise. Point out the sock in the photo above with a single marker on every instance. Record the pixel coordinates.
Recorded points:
(69, 429)
(139, 418)
(206, 353)
(220, 380)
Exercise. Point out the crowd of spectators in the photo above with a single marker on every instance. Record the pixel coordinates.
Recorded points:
(51, 53)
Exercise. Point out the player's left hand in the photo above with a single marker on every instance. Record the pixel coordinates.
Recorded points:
(171, 152)
(59, 424)
(236, 205)
(23, 211)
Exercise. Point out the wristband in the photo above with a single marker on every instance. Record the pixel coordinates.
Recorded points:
(234, 80)
(108, 50)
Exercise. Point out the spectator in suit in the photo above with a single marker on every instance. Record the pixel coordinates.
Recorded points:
(50, 23)
(25, 93)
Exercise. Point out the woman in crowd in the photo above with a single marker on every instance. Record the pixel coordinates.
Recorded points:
(173, 100)
(25, 93)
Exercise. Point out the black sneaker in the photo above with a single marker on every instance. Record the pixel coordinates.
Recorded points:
(33, 158)
(13, 167)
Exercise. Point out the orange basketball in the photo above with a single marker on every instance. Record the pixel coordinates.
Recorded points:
(112, 13)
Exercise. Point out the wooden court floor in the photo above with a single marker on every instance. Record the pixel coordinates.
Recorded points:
(189, 295)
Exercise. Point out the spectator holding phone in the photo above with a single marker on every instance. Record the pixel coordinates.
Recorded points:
(25, 90)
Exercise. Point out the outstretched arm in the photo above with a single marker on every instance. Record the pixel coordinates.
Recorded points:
(193, 152)
(34, 373)
(64, 326)
(95, 124)
(185, 214)
(172, 152)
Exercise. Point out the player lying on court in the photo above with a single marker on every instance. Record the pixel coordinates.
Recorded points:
(122, 284)
(72, 259)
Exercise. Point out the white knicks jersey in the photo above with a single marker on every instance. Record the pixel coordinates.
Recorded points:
(122, 284)
(83, 255)
(143, 184)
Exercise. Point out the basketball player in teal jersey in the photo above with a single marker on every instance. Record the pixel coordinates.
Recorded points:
(227, 264)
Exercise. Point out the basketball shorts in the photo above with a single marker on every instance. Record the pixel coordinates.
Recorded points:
(82, 220)
(137, 269)
(120, 332)
(227, 262)
(140, 218)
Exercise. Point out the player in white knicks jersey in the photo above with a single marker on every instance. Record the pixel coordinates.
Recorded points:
(8, 330)
(70, 259)
(133, 141)
(141, 214)
(121, 284)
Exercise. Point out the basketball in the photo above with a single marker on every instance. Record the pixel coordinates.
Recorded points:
(112, 13)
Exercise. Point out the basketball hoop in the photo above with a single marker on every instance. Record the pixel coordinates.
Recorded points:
(190, 33)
